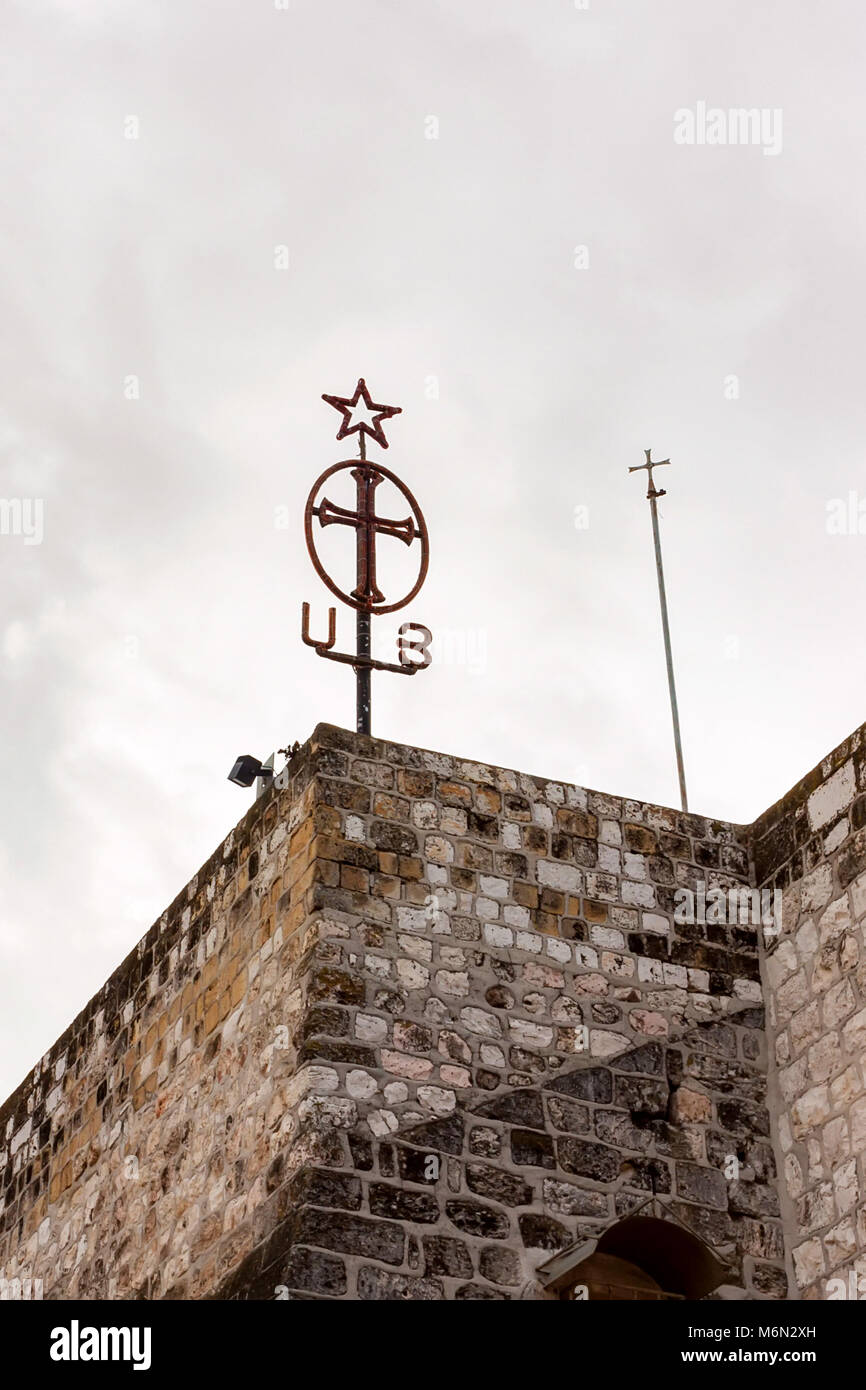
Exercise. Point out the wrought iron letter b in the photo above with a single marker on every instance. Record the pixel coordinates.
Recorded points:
(422, 645)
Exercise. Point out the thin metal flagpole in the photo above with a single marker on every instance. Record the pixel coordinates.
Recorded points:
(653, 494)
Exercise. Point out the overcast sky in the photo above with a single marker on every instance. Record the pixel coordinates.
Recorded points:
(486, 214)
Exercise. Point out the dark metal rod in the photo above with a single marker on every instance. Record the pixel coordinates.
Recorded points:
(363, 674)
(668, 657)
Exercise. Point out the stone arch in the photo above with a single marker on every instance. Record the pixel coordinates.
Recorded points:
(638, 1257)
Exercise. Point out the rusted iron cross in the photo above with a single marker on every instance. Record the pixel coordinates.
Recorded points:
(649, 466)
(363, 416)
(366, 524)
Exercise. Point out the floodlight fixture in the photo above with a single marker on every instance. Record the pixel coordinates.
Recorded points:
(247, 768)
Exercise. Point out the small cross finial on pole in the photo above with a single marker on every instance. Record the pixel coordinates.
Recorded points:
(649, 466)
(653, 495)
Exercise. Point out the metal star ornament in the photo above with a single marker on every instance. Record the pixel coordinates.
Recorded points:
(360, 414)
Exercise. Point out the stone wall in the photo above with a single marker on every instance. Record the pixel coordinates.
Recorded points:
(133, 1158)
(812, 846)
(512, 1041)
(417, 1024)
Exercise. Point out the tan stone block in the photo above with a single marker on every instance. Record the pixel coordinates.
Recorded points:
(816, 888)
(385, 886)
(792, 995)
(858, 1125)
(794, 1176)
(690, 1107)
(552, 901)
(355, 879)
(847, 1187)
(488, 800)
(837, 1144)
(812, 1109)
(807, 940)
(605, 1044)
(525, 894)
(808, 1262)
(409, 866)
(791, 904)
(455, 793)
(390, 807)
(781, 963)
(327, 820)
(840, 1243)
(858, 896)
(425, 814)
(854, 1033)
(806, 1026)
(816, 1160)
(325, 871)
(839, 1003)
(654, 1025)
(415, 783)
(401, 1064)
(849, 952)
(824, 1057)
(590, 984)
(825, 969)
(302, 837)
(834, 920)
(792, 1080)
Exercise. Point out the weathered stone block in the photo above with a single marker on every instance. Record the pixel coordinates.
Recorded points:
(498, 1185)
(311, 1271)
(595, 1161)
(530, 1149)
(377, 1284)
(351, 1235)
(499, 1264)
(477, 1219)
(446, 1255)
(401, 1205)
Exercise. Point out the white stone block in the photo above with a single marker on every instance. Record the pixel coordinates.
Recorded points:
(496, 935)
(564, 877)
(832, 797)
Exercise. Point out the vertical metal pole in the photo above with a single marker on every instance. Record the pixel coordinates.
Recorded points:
(363, 674)
(668, 657)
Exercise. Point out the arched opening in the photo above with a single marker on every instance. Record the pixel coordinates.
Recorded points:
(640, 1257)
